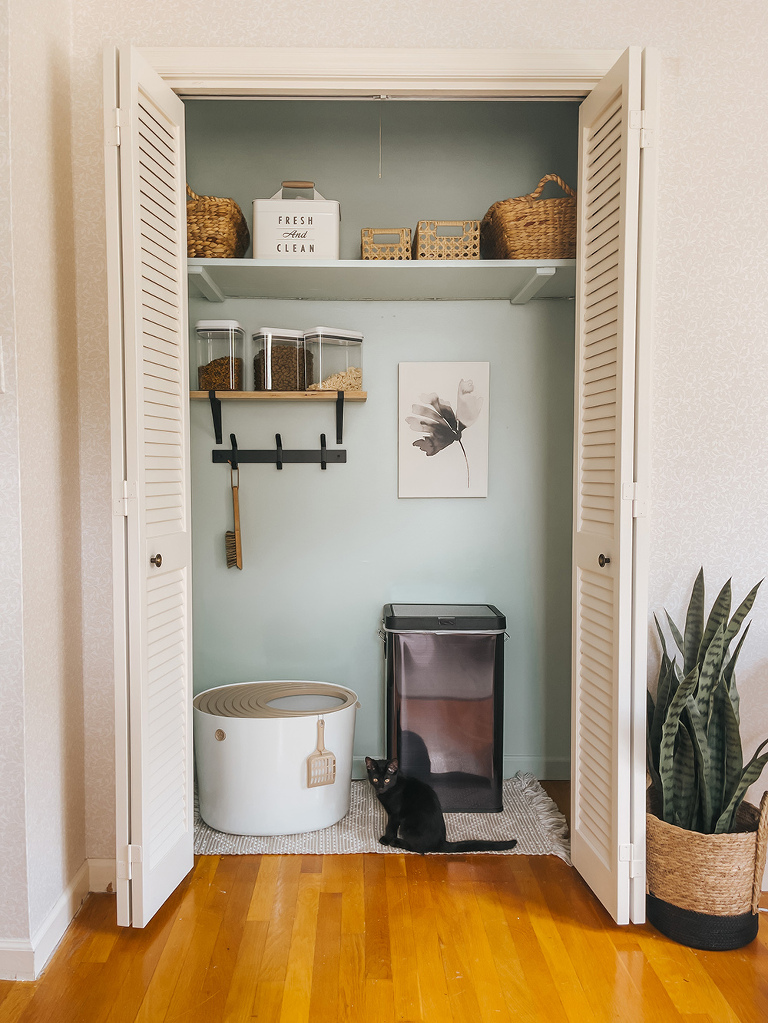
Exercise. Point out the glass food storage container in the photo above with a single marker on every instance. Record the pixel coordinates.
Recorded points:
(334, 359)
(279, 362)
(219, 355)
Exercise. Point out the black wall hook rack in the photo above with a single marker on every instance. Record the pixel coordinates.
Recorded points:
(279, 455)
(215, 401)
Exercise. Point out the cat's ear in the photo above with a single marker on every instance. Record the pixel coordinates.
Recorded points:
(392, 766)
(368, 763)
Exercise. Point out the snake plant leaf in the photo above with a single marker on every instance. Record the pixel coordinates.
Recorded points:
(740, 614)
(684, 794)
(751, 773)
(734, 759)
(717, 741)
(675, 634)
(711, 670)
(650, 752)
(667, 745)
(718, 616)
(661, 636)
(664, 694)
(694, 623)
(703, 761)
(729, 676)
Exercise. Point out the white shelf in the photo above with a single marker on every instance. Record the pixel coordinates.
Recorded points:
(355, 280)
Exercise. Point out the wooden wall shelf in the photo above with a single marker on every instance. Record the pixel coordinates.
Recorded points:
(280, 395)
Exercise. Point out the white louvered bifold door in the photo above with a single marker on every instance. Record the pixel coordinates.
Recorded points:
(601, 748)
(155, 358)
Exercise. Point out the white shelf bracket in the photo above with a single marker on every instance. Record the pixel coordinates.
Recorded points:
(533, 285)
(207, 287)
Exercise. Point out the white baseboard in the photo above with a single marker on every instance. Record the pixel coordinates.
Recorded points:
(547, 768)
(25, 960)
(101, 875)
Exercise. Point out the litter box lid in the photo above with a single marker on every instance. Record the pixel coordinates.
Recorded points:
(443, 618)
(278, 699)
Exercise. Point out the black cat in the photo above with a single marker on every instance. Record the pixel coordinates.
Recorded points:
(413, 811)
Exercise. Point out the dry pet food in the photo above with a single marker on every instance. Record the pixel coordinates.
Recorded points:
(350, 380)
(225, 374)
(288, 369)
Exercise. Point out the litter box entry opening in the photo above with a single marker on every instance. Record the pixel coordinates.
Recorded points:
(320, 703)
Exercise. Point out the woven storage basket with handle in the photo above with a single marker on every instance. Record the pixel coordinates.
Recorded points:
(216, 228)
(531, 228)
(703, 890)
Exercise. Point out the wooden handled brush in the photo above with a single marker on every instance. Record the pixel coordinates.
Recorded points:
(232, 539)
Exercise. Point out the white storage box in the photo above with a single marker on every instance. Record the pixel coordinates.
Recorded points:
(299, 228)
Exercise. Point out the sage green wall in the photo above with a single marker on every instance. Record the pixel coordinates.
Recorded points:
(323, 551)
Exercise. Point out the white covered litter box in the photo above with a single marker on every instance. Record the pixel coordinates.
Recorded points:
(252, 742)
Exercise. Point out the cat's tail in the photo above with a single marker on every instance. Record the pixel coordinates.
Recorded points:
(478, 846)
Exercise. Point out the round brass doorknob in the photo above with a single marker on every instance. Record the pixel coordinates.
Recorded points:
(603, 561)
(158, 560)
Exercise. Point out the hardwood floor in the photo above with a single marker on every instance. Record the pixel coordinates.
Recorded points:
(378, 939)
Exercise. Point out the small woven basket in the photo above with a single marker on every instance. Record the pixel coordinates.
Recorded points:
(447, 239)
(393, 243)
(704, 890)
(531, 228)
(216, 228)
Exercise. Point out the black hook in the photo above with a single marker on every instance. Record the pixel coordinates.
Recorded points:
(216, 413)
(279, 458)
(233, 459)
(323, 453)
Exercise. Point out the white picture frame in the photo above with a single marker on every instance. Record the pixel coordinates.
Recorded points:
(443, 429)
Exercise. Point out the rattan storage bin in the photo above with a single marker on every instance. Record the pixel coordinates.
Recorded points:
(398, 245)
(216, 228)
(439, 239)
(531, 228)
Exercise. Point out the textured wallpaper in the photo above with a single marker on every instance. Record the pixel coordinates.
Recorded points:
(710, 460)
(46, 368)
(14, 913)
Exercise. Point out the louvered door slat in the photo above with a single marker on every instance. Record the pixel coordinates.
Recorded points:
(604, 430)
(157, 451)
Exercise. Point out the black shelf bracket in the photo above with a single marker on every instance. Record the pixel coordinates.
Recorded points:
(279, 455)
(216, 414)
(339, 417)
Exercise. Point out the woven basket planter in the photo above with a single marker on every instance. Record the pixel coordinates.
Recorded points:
(703, 890)
(216, 228)
(531, 228)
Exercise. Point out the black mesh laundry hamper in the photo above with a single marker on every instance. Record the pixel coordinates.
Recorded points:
(445, 699)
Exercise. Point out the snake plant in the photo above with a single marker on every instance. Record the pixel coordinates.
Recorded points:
(695, 757)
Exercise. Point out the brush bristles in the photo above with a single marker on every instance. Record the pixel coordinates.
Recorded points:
(231, 549)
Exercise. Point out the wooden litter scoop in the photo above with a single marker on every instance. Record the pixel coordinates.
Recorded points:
(321, 764)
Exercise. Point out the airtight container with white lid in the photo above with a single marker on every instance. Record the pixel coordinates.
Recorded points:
(334, 359)
(279, 362)
(219, 355)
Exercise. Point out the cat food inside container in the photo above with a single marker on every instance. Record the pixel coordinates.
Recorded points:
(219, 355)
(279, 363)
(336, 359)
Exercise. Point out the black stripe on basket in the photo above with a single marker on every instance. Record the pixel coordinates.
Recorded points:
(701, 930)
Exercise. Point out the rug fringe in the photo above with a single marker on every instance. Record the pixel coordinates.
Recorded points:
(552, 821)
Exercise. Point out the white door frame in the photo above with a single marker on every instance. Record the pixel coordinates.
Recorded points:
(461, 74)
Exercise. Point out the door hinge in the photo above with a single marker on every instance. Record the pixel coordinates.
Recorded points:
(129, 494)
(627, 855)
(113, 136)
(131, 854)
(638, 495)
(638, 121)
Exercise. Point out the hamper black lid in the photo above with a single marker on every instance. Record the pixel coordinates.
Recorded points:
(441, 617)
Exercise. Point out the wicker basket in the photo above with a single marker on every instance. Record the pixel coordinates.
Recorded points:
(703, 890)
(398, 245)
(440, 239)
(531, 228)
(216, 228)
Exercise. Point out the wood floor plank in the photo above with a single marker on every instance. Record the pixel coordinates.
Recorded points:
(351, 1001)
(278, 945)
(379, 1001)
(353, 890)
(301, 954)
(433, 989)
(378, 962)
(324, 993)
(405, 980)
(241, 994)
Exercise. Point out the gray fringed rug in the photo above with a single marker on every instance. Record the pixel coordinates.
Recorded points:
(529, 815)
